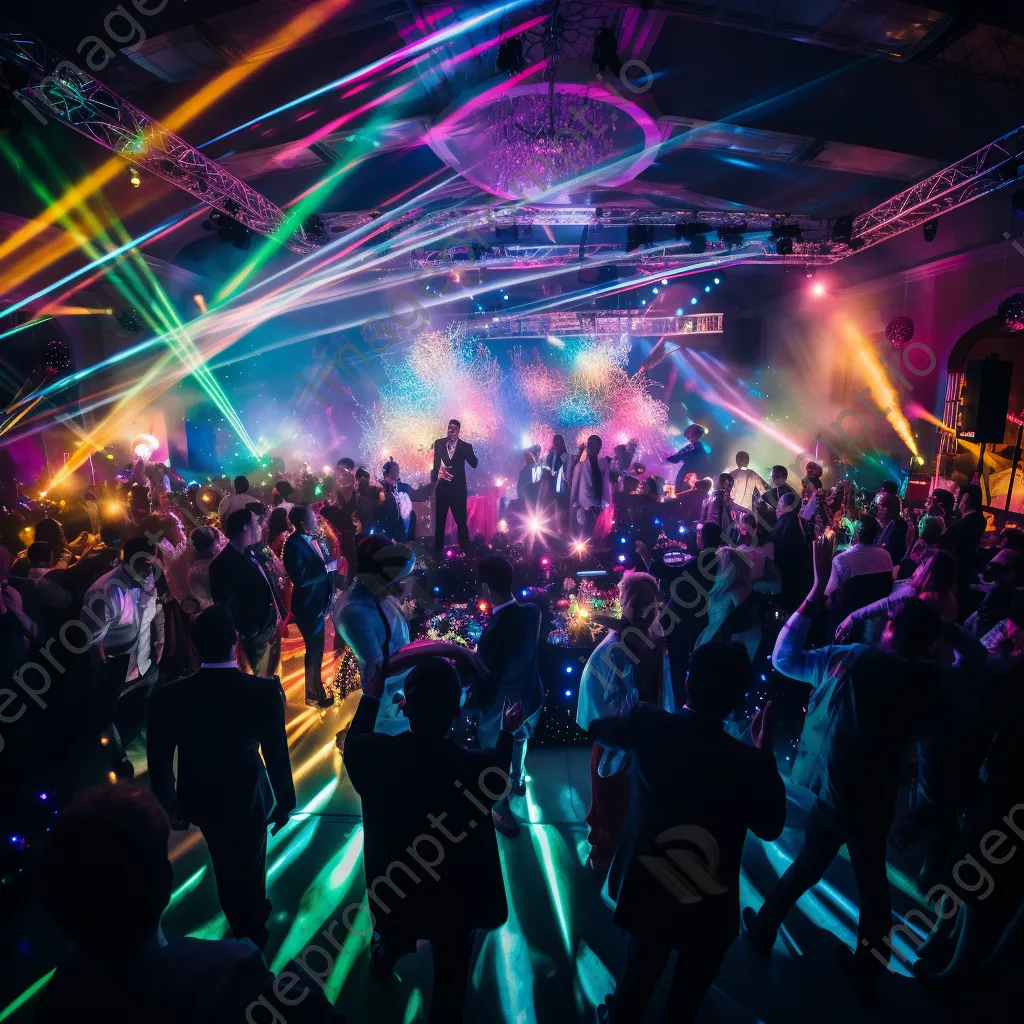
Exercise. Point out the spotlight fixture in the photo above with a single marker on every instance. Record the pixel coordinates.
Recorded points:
(315, 229)
(842, 229)
(693, 301)
(130, 321)
(638, 235)
(731, 235)
(231, 207)
(133, 177)
(818, 290)
(784, 235)
(510, 56)
(606, 55)
(679, 311)
(931, 229)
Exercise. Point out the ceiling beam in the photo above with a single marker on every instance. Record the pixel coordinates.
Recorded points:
(50, 86)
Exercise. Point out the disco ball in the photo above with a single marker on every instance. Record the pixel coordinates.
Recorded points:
(899, 331)
(57, 357)
(1011, 312)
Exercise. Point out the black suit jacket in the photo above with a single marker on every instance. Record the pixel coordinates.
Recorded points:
(240, 587)
(508, 647)
(687, 772)
(457, 465)
(219, 720)
(793, 558)
(963, 538)
(312, 584)
(413, 787)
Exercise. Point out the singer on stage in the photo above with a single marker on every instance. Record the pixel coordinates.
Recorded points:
(449, 473)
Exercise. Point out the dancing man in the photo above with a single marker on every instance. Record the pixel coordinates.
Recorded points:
(693, 455)
(449, 473)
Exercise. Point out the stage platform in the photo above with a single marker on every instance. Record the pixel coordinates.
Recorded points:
(556, 957)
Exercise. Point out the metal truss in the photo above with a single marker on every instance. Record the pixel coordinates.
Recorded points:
(658, 257)
(609, 323)
(51, 86)
(990, 168)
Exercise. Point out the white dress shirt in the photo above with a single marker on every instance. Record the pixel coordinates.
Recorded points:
(857, 560)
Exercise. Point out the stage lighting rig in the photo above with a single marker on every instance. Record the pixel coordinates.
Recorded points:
(784, 235)
(931, 229)
(228, 229)
(134, 178)
(639, 235)
(315, 229)
(731, 235)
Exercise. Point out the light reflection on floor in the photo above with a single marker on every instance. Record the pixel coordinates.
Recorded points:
(556, 957)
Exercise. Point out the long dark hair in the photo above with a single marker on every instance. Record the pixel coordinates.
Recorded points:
(595, 465)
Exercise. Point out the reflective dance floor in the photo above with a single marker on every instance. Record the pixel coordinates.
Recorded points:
(555, 958)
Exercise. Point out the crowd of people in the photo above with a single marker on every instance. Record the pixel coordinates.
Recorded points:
(900, 634)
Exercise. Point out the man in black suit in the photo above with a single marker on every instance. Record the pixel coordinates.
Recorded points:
(791, 552)
(431, 857)
(693, 456)
(695, 793)
(962, 538)
(311, 569)
(508, 649)
(220, 720)
(449, 473)
(242, 580)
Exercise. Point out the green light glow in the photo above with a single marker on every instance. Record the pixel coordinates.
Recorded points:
(25, 327)
(136, 282)
(554, 872)
(414, 1008)
(186, 887)
(321, 899)
(12, 1008)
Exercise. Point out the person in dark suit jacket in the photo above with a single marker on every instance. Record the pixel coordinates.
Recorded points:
(241, 580)
(675, 875)
(220, 720)
(431, 857)
(693, 456)
(311, 569)
(395, 518)
(449, 473)
(893, 537)
(107, 881)
(792, 554)
(508, 649)
(962, 538)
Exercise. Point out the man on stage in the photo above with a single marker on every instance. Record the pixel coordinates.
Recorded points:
(449, 473)
(693, 455)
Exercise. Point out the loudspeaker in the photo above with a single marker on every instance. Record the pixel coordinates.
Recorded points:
(919, 486)
(986, 400)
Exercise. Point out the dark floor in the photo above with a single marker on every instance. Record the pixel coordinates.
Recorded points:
(556, 957)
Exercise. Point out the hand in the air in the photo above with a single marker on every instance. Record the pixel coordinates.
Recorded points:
(761, 728)
(511, 715)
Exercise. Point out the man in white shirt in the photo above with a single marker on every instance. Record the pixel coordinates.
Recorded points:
(744, 480)
(861, 558)
(233, 502)
(128, 629)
